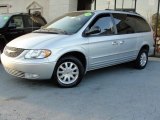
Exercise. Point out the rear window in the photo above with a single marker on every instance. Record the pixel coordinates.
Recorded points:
(38, 20)
(35, 21)
(127, 24)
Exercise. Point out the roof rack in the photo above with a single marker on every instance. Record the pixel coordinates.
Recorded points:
(125, 10)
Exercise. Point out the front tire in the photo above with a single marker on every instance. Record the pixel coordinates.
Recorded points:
(142, 59)
(68, 72)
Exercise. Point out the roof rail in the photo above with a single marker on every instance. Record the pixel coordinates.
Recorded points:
(125, 10)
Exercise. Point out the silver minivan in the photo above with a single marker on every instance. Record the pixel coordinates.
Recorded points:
(69, 46)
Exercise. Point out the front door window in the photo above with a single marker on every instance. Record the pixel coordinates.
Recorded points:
(17, 21)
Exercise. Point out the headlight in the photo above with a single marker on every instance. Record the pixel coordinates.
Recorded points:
(37, 54)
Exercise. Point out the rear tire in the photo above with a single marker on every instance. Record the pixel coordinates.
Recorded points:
(68, 72)
(142, 59)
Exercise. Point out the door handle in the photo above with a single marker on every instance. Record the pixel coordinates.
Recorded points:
(114, 43)
(121, 42)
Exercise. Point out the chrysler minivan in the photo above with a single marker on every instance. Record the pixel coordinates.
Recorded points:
(69, 46)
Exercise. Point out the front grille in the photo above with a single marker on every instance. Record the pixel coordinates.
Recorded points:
(12, 52)
(15, 72)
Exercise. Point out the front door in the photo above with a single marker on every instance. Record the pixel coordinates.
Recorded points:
(103, 46)
(15, 27)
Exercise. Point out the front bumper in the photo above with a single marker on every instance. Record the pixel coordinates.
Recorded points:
(28, 69)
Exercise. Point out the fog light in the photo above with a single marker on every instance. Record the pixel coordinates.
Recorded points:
(31, 76)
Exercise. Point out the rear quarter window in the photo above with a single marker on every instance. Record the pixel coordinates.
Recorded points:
(127, 24)
(140, 24)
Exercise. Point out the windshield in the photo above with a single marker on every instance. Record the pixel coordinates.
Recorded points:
(68, 24)
(3, 20)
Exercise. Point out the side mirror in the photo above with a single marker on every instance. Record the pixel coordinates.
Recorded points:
(93, 30)
(12, 26)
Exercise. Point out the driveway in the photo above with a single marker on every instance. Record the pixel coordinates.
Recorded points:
(114, 93)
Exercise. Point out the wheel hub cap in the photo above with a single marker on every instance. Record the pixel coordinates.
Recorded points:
(143, 59)
(67, 72)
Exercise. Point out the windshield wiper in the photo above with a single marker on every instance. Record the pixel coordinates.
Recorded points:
(51, 30)
(59, 31)
(45, 31)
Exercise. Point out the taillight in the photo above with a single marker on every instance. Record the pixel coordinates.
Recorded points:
(155, 39)
(154, 36)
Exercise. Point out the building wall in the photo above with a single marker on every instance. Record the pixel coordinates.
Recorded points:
(51, 8)
(103, 4)
(59, 7)
(21, 5)
(73, 5)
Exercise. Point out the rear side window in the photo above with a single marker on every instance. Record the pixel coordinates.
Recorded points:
(127, 24)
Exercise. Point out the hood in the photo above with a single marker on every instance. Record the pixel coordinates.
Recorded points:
(35, 40)
(2, 31)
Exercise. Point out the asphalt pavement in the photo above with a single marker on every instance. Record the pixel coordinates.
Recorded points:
(114, 93)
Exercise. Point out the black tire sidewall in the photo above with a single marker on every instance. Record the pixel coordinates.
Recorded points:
(137, 62)
(80, 67)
